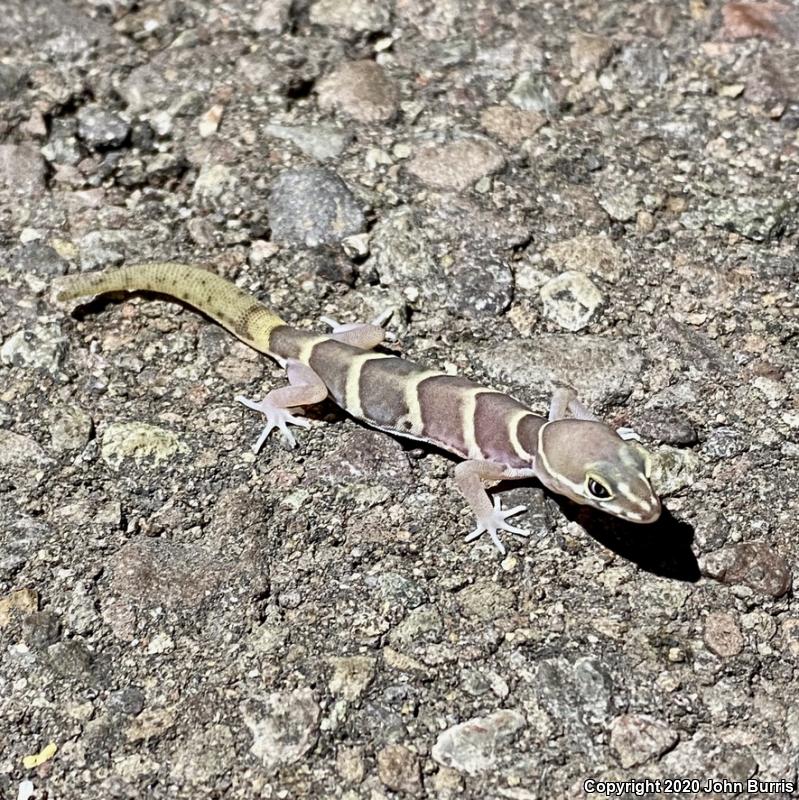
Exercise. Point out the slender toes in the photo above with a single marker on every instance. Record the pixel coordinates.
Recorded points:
(514, 510)
(497, 543)
(262, 438)
(253, 404)
(382, 318)
(496, 522)
(477, 532)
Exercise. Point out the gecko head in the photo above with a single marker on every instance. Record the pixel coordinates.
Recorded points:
(591, 464)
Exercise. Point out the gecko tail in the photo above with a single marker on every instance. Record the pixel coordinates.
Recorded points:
(213, 295)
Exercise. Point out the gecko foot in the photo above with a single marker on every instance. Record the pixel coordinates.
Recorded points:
(276, 417)
(494, 522)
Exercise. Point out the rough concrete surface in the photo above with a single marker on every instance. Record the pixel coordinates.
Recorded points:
(596, 193)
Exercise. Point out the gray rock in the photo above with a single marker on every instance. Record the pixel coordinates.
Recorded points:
(351, 676)
(536, 91)
(284, 726)
(673, 469)
(423, 623)
(272, 16)
(81, 615)
(101, 128)
(703, 756)
(357, 15)
(361, 90)
(43, 347)
(66, 33)
(17, 450)
(576, 695)
(18, 543)
(475, 281)
(13, 78)
(472, 278)
(511, 125)
(128, 701)
(480, 282)
(760, 219)
(571, 300)
(312, 206)
(62, 145)
(156, 573)
(724, 442)
(666, 427)
(457, 165)
(618, 196)
(72, 659)
(211, 183)
(398, 590)
(40, 629)
(21, 170)
(594, 255)
(205, 757)
(39, 260)
(590, 52)
(643, 65)
(102, 249)
(475, 746)
(70, 428)
(481, 682)
(485, 601)
(399, 770)
(147, 88)
(320, 142)
(639, 738)
(601, 369)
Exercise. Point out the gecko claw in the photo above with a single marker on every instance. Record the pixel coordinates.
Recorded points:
(496, 521)
(276, 417)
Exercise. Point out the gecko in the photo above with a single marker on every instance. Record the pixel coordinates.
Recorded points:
(570, 452)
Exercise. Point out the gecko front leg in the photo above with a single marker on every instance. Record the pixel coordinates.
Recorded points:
(469, 477)
(305, 388)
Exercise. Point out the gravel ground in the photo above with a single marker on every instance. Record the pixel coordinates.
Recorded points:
(596, 193)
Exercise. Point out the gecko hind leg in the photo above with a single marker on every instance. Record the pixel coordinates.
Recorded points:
(305, 388)
(565, 401)
(367, 336)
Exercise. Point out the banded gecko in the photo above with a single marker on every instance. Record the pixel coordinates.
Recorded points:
(571, 452)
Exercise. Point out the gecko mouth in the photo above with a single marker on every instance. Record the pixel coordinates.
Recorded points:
(649, 513)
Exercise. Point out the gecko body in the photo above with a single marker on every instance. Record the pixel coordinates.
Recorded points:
(498, 437)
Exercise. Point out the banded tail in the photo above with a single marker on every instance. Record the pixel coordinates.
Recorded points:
(231, 307)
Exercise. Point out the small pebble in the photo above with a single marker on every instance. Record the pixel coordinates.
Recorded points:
(456, 165)
(361, 90)
(722, 634)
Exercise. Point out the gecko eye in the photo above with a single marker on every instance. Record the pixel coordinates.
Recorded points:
(597, 489)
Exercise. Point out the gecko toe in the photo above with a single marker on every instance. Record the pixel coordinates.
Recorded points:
(497, 543)
(496, 521)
